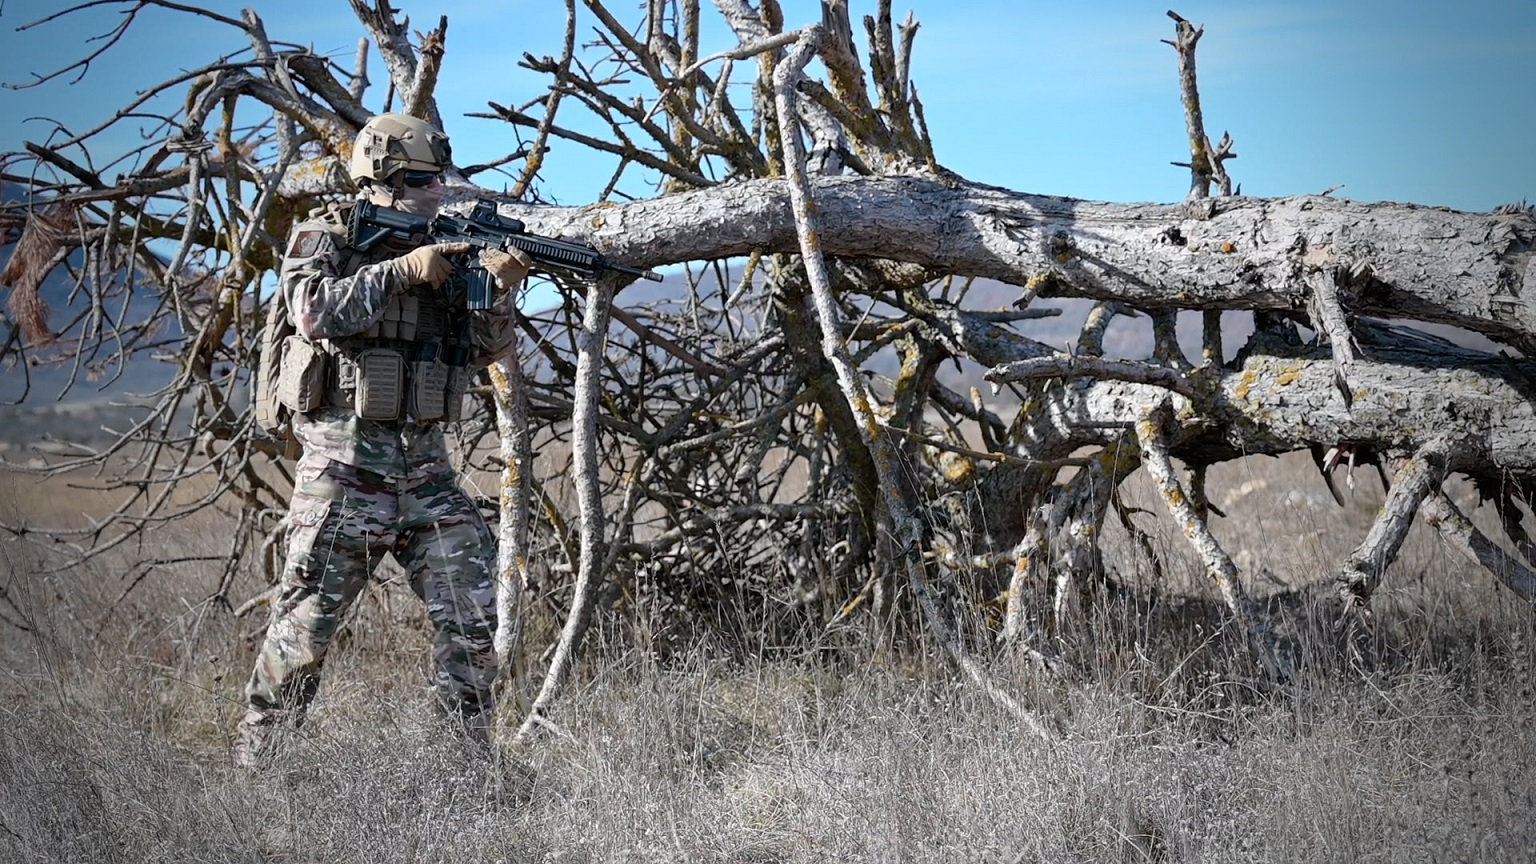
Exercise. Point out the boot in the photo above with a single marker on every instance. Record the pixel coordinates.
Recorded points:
(252, 747)
(469, 719)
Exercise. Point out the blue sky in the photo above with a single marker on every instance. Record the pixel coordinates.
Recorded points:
(1407, 101)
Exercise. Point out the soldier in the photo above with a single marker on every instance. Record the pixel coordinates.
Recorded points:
(380, 359)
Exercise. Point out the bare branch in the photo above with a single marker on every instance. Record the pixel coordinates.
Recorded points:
(585, 468)
(557, 88)
(904, 524)
(1328, 312)
(787, 425)
(1067, 366)
(1414, 478)
(420, 99)
(1150, 431)
(1206, 162)
(1459, 532)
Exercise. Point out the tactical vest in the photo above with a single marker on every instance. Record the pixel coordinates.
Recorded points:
(413, 363)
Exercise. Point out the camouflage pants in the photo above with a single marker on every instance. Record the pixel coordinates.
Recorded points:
(342, 519)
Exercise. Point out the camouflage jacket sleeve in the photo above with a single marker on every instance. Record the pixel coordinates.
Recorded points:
(492, 332)
(326, 303)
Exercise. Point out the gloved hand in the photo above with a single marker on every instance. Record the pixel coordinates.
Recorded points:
(428, 264)
(509, 266)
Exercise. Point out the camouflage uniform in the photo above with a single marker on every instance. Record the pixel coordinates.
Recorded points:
(367, 487)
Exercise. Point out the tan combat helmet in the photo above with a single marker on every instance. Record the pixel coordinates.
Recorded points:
(388, 143)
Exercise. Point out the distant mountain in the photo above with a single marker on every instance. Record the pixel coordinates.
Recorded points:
(55, 391)
(1129, 338)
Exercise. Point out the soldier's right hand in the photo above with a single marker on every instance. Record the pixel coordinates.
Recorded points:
(428, 264)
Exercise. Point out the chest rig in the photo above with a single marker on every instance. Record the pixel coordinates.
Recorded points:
(413, 363)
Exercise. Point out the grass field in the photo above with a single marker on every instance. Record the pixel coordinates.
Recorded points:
(115, 717)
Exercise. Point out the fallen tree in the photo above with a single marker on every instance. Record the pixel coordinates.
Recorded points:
(767, 448)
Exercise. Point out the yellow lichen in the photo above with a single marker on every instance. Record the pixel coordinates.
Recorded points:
(957, 468)
(1244, 385)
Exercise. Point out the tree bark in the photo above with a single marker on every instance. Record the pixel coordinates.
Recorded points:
(585, 466)
(512, 552)
(1398, 260)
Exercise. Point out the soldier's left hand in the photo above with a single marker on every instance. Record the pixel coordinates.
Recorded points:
(509, 266)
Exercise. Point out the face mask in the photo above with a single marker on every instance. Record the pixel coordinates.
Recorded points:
(415, 200)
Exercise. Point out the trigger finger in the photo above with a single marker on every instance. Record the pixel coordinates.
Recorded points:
(453, 248)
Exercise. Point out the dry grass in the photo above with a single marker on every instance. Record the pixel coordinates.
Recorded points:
(1418, 749)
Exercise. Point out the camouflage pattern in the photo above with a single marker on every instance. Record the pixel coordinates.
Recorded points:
(342, 520)
(333, 293)
(365, 488)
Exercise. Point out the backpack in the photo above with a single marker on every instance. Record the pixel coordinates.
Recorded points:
(290, 370)
(272, 416)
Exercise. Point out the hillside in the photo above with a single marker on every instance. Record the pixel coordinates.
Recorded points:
(54, 392)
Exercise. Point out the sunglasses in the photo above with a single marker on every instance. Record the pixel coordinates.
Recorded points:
(418, 179)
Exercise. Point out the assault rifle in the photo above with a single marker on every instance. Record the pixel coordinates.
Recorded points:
(483, 228)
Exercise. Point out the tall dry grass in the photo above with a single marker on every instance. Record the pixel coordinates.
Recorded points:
(1413, 743)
